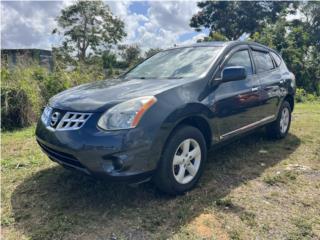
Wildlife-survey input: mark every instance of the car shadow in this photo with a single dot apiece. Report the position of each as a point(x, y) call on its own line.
point(56, 203)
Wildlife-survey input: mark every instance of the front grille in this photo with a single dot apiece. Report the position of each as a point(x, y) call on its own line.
point(73, 121)
point(62, 157)
point(61, 120)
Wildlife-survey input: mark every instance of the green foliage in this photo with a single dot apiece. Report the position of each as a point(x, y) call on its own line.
point(303, 229)
point(113, 62)
point(20, 97)
point(26, 89)
point(298, 44)
point(88, 24)
point(282, 177)
point(224, 202)
point(233, 18)
point(131, 54)
point(109, 60)
point(248, 218)
point(214, 36)
point(303, 96)
point(152, 51)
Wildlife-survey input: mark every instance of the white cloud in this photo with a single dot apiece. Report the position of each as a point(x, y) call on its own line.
point(173, 16)
point(162, 25)
point(132, 20)
point(30, 23)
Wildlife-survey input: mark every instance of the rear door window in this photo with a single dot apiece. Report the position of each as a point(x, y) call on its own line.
point(263, 61)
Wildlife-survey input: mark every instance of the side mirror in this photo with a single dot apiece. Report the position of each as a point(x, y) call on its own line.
point(233, 73)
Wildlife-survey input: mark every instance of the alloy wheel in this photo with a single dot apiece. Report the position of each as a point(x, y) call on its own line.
point(284, 120)
point(186, 161)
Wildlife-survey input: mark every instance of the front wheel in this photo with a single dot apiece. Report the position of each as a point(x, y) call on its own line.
point(279, 128)
point(182, 161)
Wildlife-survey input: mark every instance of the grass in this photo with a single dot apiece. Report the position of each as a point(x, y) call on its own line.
point(303, 229)
point(253, 188)
point(280, 177)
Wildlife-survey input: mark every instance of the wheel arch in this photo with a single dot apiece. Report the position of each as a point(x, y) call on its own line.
point(195, 120)
point(201, 124)
point(289, 98)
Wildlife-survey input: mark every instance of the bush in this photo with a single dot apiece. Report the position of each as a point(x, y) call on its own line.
point(303, 96)
point(26, 89)
point(21, 98)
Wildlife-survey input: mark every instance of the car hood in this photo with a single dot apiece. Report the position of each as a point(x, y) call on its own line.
point(98, 96)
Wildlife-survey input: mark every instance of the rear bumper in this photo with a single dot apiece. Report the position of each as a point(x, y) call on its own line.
point(119, 155)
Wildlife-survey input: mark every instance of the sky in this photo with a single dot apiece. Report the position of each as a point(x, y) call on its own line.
point(150, 24)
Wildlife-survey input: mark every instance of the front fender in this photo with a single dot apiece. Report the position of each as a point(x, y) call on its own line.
point(177, 117)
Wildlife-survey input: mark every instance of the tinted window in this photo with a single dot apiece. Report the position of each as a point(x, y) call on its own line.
point(241, 58)
point(276, 58)
point(263, 61)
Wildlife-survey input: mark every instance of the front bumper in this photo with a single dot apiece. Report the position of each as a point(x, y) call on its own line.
point(118, 155)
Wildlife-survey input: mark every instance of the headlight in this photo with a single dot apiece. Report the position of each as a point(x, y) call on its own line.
point(127, 114)
point(46, 114)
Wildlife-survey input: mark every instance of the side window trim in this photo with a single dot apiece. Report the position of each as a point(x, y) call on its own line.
point(231, 53)
point(275, 62)
point(254, 67)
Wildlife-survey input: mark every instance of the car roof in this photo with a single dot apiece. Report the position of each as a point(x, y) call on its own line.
point(226, 44)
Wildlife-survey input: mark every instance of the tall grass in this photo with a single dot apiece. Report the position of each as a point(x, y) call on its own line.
point(26, 89)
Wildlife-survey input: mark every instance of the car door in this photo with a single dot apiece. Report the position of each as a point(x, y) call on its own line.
point(271, 80)
point(237, 102)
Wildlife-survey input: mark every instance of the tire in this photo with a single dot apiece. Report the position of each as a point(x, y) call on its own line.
point(279, 128)
point(177, 173)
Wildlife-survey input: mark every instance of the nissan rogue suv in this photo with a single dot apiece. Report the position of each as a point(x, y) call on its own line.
point(159, 119)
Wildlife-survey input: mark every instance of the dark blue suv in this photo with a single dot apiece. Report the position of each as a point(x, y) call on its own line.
point(158, 120)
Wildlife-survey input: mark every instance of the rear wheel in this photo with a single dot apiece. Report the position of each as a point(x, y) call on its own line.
point(182, 161)
point(279, 128)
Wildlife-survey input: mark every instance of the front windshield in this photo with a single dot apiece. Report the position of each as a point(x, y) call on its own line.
point(185, 62)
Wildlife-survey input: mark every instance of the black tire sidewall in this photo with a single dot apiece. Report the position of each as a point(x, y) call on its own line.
point(167, 177)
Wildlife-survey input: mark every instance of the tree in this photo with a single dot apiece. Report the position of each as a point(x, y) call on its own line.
point(61, 57)
point(130, 54)
point(88, 25)
point(311, 12)
point(214, 36)
point(233, 18)
point(109, 60)
point(152, 51)
point(298, 43)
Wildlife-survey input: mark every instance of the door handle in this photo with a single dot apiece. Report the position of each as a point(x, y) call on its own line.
point(254, 89)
